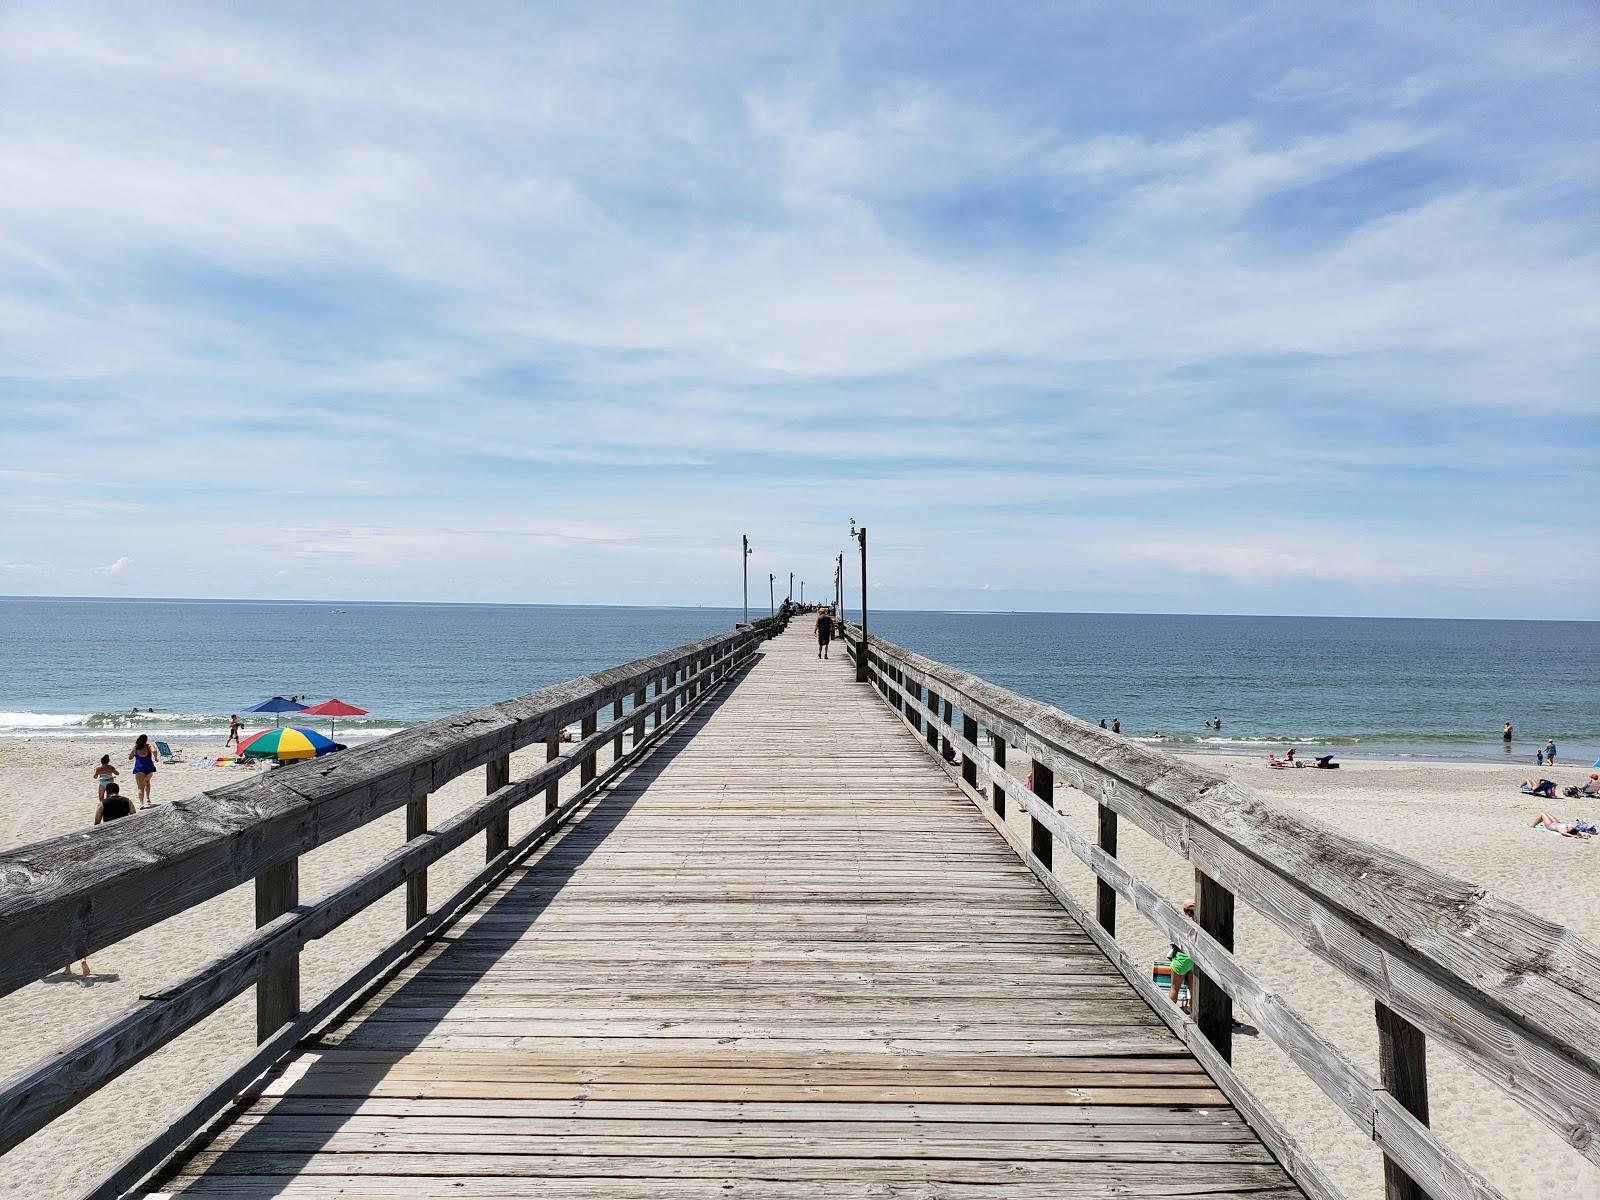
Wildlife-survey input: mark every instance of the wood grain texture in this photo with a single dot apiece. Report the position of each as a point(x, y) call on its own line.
point(782, 952)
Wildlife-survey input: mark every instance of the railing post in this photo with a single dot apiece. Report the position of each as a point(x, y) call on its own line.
point(417, 884)
point(969, 765)
point(552, 792)
point(497, 834)
point(586, 769)
point(639, 699)
point(916, 713)
point(1105, 894)
point(1403, 1073)
point(1040, 840)
point(948, 747)
point(616, 719)
point(933, 712)
point(998, 753)
point(278, 988)
point(1213, 1007)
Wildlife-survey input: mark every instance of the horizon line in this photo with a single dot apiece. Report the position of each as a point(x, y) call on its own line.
point(979, 612)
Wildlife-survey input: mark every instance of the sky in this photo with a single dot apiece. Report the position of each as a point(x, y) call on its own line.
point(1168, 308)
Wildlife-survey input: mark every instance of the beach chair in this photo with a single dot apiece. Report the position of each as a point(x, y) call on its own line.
point(1161, 976)
point(166, 752)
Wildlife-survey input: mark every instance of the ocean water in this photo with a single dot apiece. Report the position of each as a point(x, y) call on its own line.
point(1352, 686)
point(1356, 686)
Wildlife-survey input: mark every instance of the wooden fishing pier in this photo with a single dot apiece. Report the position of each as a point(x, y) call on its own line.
point(790, 936)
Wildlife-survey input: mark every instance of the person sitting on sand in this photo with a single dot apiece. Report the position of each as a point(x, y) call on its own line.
point(111, 806)
point(1591, 785)
point(1578, 828)
point(103, 776)
point(1540, 787)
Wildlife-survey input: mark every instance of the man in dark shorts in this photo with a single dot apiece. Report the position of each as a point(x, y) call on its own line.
point(824, 631)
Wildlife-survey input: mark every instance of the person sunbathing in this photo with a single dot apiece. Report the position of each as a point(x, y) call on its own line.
point(1578, 828)
point(1540, 787)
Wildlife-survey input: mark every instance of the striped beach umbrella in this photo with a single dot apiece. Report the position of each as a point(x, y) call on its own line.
point(290, 741)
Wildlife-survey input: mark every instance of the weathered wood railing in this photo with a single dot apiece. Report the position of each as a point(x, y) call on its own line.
point(1513, 995)
point(74, 895)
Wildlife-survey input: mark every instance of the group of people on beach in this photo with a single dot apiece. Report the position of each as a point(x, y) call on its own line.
point(143, 758)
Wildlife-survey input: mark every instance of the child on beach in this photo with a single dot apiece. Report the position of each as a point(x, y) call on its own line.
point(103, 776)
point(1180, 962)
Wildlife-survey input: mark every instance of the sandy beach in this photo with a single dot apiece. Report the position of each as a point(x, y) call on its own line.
point(1466, 819)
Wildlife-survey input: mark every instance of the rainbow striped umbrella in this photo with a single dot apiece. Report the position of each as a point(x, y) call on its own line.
point(289, 742)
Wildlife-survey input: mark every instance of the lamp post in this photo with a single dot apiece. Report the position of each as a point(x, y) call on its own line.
point(802, 593)
point(745, 562)
point(790, 596)
point(772, 594)
point(860, 535)
point(838, 587)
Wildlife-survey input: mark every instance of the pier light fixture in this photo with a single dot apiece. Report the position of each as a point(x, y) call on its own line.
point(860, 536)
point(746, 563)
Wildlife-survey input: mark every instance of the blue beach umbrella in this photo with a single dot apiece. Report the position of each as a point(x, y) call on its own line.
point(277, 706)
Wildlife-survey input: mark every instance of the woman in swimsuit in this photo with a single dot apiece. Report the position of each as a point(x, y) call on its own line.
point(103, 775)
point(143, 758)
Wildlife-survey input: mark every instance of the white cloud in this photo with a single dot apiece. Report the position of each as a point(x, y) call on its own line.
point(119, 567)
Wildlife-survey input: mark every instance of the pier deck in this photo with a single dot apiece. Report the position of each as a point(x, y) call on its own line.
point(784, 956)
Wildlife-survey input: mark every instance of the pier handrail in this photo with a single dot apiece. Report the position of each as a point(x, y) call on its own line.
point(71, 896)
point(1515, 996)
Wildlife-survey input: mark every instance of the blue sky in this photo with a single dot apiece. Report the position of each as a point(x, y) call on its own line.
point(1192, 307)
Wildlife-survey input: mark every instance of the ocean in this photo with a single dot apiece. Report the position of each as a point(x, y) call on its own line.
point(1359, 687)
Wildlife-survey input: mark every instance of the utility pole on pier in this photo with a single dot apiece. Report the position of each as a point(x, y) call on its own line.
point(802, 593)
point(772, 594)
point(860, 535)
point(838, 587)
point(745, 562)
point(790, 596)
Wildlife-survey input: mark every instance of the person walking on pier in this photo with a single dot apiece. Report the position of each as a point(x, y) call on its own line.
point(824, 631)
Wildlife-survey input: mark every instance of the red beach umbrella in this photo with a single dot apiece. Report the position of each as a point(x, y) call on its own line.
point(334, 708)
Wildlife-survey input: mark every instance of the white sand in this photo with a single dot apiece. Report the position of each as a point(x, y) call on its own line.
point(1468, 820)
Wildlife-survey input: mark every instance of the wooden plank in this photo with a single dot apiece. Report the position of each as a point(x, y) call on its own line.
point(1403, 1071)
point(417, 881)
point(278, 983)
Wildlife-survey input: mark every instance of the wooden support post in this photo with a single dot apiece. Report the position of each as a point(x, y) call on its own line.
point(916, 713)
point(933, 711)
point(1105, 894)
point(946, 749)
point(417, 884)
point(616, 717)
point(278, 988)
point(1403, 1073)
point(586, 769)
point(640, 698)
point(552, 792)
point(995, 790)
point(1213, 1008)
point(969, 765)
point(497, 834)
point(1039, 839)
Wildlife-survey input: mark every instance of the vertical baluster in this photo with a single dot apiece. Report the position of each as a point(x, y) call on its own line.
point(278, 988)
point(1105, 894)
point(417, 881)
point(1040, 839)
point(969, 765)
point(933, 713)
point(497, 834)
point(552, 792)
point(586, 767)
point(947, 747)
point(640, 698)
point(616, 718)
point(1403, 1073)
point(1213, 1008)
point(998, 745)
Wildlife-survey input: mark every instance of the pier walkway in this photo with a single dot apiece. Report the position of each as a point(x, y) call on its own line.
point(784, 955)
